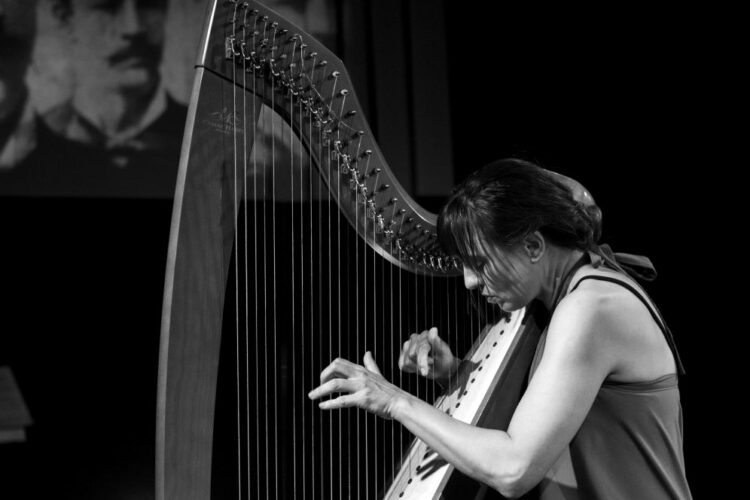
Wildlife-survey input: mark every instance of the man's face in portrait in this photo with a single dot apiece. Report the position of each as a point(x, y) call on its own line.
point(118, 43)
point(16, 41)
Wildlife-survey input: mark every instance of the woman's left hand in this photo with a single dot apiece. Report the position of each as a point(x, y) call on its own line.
point(364, 387)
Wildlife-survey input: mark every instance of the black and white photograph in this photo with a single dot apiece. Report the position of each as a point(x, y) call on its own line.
point(358, 249)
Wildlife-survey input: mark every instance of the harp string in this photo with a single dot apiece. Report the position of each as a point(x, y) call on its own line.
point(302, 305)
point(393, 350)
point(236, 268)
point(324, 416)
point(246, 283)
point(367, 331)
point(266, 377)
point(255, 276)
point(326, 201)
point(313, 450)
point(373, 347)
point(426, 325)
point(331, 174)
point(338, 288)
point(403, 330)
point(358, 347)
point(344, 349)
point(294, 297)
point(385, 361)
point(273, 254)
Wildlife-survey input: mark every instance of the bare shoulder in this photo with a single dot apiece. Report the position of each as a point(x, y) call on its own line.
point(611, 322)
point(584, 325)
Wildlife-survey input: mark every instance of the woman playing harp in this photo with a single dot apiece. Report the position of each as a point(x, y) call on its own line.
point(604, 380)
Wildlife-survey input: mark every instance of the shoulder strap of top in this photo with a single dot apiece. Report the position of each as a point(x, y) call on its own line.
point(636, 266)
point(649, 305)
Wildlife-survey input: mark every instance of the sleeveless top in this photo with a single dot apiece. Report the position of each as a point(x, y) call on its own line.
point(629, 446)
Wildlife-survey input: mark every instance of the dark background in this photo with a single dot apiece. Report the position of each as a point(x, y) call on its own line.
point(618, 102)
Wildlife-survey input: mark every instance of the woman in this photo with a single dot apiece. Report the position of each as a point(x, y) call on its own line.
point(605, 379)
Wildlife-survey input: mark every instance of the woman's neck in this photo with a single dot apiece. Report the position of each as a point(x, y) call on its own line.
point(558, 265)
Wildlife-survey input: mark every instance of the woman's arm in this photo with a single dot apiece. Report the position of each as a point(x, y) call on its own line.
point(574, 364)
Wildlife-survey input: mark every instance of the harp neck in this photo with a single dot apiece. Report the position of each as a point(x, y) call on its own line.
point(256, 49)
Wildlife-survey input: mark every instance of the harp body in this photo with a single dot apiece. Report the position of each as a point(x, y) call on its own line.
point(250, 58)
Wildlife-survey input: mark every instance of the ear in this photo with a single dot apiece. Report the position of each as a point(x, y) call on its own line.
point(534, 245)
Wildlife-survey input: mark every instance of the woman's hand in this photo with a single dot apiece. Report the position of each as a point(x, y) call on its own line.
point(428, 354)
point(364, 386)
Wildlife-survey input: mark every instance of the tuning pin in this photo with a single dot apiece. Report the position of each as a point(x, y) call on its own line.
point(371, 211)
point(343, 168)
point(388, 238)
point(380, 223)
point(353, 183)
point(229, 47)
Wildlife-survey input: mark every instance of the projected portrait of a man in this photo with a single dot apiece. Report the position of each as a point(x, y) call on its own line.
point(119, 132)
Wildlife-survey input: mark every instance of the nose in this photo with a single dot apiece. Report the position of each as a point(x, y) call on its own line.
point(471, 279)
point(129, 20)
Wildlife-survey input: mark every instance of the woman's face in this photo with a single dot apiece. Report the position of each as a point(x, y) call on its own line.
point(505, 276)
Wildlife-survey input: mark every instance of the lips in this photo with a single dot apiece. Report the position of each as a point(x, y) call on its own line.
point(138, 52)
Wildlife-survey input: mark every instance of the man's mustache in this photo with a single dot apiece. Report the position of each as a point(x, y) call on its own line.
point(138, 48)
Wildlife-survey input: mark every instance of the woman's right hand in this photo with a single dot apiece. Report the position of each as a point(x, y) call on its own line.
point(429, 355)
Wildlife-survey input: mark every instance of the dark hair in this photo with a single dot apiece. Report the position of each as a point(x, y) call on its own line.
point(506, 200)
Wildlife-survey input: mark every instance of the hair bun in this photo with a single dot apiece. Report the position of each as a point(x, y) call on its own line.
point(590, 223)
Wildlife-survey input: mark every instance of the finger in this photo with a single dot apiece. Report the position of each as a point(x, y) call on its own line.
point(432, 335)
point(401, 355)
point(423, 360)
point(436, 342)
point(414, 344)
point(330, 387)
point(345, 401)
point(405, 363)
point(339, 367)
point(370, 363)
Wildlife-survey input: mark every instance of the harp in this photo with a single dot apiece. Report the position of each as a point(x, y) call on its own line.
point(361, 270)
